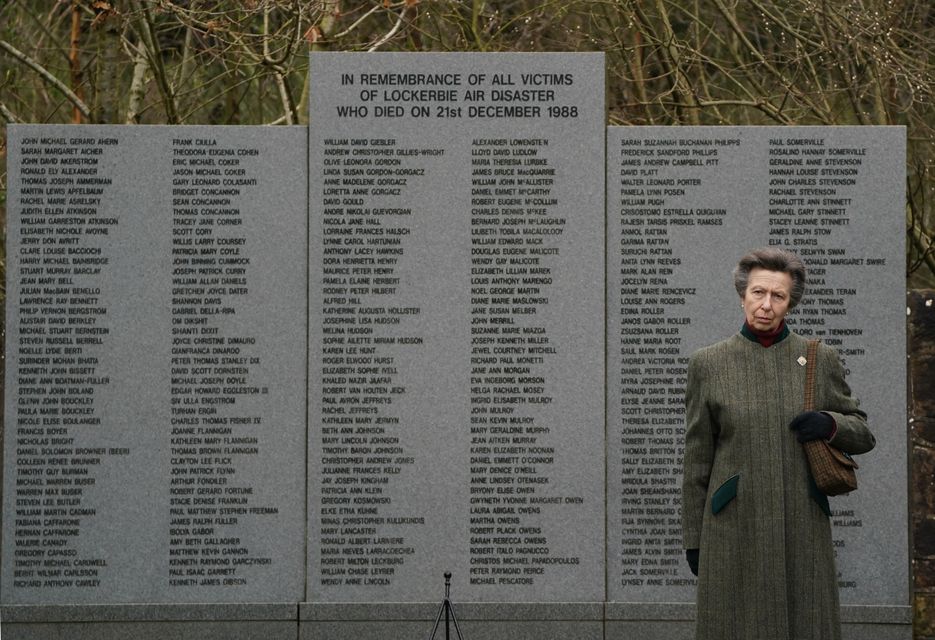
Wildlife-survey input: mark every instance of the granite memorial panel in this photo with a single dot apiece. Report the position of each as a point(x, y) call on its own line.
point(683, 205)
point(428, 262)
point(154, 449)
point(456, 327)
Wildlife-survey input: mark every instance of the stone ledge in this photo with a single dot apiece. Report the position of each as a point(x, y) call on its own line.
point(650, 611)
point(464, 611)
point(148, 613)
point(876, 614)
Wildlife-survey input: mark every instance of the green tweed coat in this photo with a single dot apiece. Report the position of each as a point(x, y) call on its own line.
point(767, 564)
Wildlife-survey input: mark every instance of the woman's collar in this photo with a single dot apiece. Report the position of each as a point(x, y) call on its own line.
point(765, 338)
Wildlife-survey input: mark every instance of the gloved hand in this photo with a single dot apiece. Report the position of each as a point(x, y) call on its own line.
point(692, 556)
point(812, 425)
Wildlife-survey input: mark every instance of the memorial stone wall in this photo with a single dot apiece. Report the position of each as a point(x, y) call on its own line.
point(154, 339)
point(456, 279)
point(683, 205)
point(292, 375)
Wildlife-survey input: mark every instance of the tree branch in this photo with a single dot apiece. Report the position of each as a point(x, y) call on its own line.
point(8, 115)
point(137, 89)
point(47, 76)
point(151, 45)
point(74, 60)
point(288, 104)
point(392, 32)
point(758, 55)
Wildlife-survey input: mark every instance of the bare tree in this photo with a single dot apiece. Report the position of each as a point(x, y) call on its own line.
point(788, 62)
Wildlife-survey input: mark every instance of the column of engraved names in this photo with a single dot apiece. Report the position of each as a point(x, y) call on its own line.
point(812, 187)
point(658, 178)
point(60, 366)
point(514, 251)
point(366, 228)
point(214, 428)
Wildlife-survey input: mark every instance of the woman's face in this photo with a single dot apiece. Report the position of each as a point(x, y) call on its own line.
point(766, 300)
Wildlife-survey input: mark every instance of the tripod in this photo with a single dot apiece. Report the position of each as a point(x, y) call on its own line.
point(449, 612)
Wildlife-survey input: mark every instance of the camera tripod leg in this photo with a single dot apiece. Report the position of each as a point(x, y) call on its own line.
point(449, 612)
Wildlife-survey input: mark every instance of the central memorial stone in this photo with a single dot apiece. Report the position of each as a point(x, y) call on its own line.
point(456, 327)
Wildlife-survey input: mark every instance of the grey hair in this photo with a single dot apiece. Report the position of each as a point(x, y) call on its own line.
point(772, 259)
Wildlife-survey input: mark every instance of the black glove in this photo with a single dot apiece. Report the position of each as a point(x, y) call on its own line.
point(812, 425)
point(692, 556)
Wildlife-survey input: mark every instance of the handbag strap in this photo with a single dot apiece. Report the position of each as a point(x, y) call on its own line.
point(810, 356)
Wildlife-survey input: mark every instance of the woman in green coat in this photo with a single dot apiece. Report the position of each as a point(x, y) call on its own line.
point(756, 532)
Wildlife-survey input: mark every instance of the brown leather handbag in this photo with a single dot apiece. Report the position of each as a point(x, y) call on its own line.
point(834, 471)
